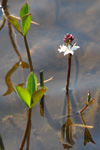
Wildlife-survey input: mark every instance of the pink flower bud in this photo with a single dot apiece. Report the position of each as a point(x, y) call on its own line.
point(70, 41)
point(68, 35)
point(73, 37)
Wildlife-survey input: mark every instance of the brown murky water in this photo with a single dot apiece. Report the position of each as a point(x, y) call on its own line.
point(51, 130)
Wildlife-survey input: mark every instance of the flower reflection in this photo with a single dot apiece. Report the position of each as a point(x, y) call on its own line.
point(87, 134)
point(67, 133)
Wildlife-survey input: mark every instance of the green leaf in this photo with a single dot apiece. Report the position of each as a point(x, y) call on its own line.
point(25, 23)
point(14, 22)
point(31, 84)
point(24, 95)
point(24, 10)
point(38, 95)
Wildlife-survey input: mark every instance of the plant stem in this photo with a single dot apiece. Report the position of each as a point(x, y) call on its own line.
point(28, 54)
point(28, 125)
point(26, 130)
point(28, 136)
point(69, 70)
point(84, 108)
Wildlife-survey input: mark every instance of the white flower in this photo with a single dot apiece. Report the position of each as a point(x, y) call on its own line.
point(68, 49)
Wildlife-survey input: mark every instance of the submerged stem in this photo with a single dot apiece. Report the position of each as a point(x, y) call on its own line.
point(69, 70)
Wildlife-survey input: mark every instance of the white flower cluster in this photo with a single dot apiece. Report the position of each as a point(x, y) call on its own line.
point(68, 49)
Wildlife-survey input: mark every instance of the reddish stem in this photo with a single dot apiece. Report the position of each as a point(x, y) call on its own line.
point(84, 108)
point(68, 74)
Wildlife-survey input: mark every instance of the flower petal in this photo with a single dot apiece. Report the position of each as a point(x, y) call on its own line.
point(75, 47)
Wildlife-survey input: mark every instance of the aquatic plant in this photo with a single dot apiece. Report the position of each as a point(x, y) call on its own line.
point(68, 49)
point(31, 95)
point(25, 17)
point(88, 102)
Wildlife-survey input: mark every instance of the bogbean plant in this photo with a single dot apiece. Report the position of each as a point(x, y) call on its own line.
point(31, 95)
point(68, 49)
point(25, 17)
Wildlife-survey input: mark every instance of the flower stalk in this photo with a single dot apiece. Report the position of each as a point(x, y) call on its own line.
point(68, 49)
point(68, 73)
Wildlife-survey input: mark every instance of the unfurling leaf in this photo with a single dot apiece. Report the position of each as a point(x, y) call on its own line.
point(89, 96)
point(14, 22)
point(38, 95)
point(24, 95)
point(24, 10)
point(31, 84)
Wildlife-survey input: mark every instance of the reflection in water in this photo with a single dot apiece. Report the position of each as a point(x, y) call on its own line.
point(3, 23)
point(20, 63)
point(67, 132)
point(9, 74)
point(77, 71)
point(87, 135)
point(67, 135)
